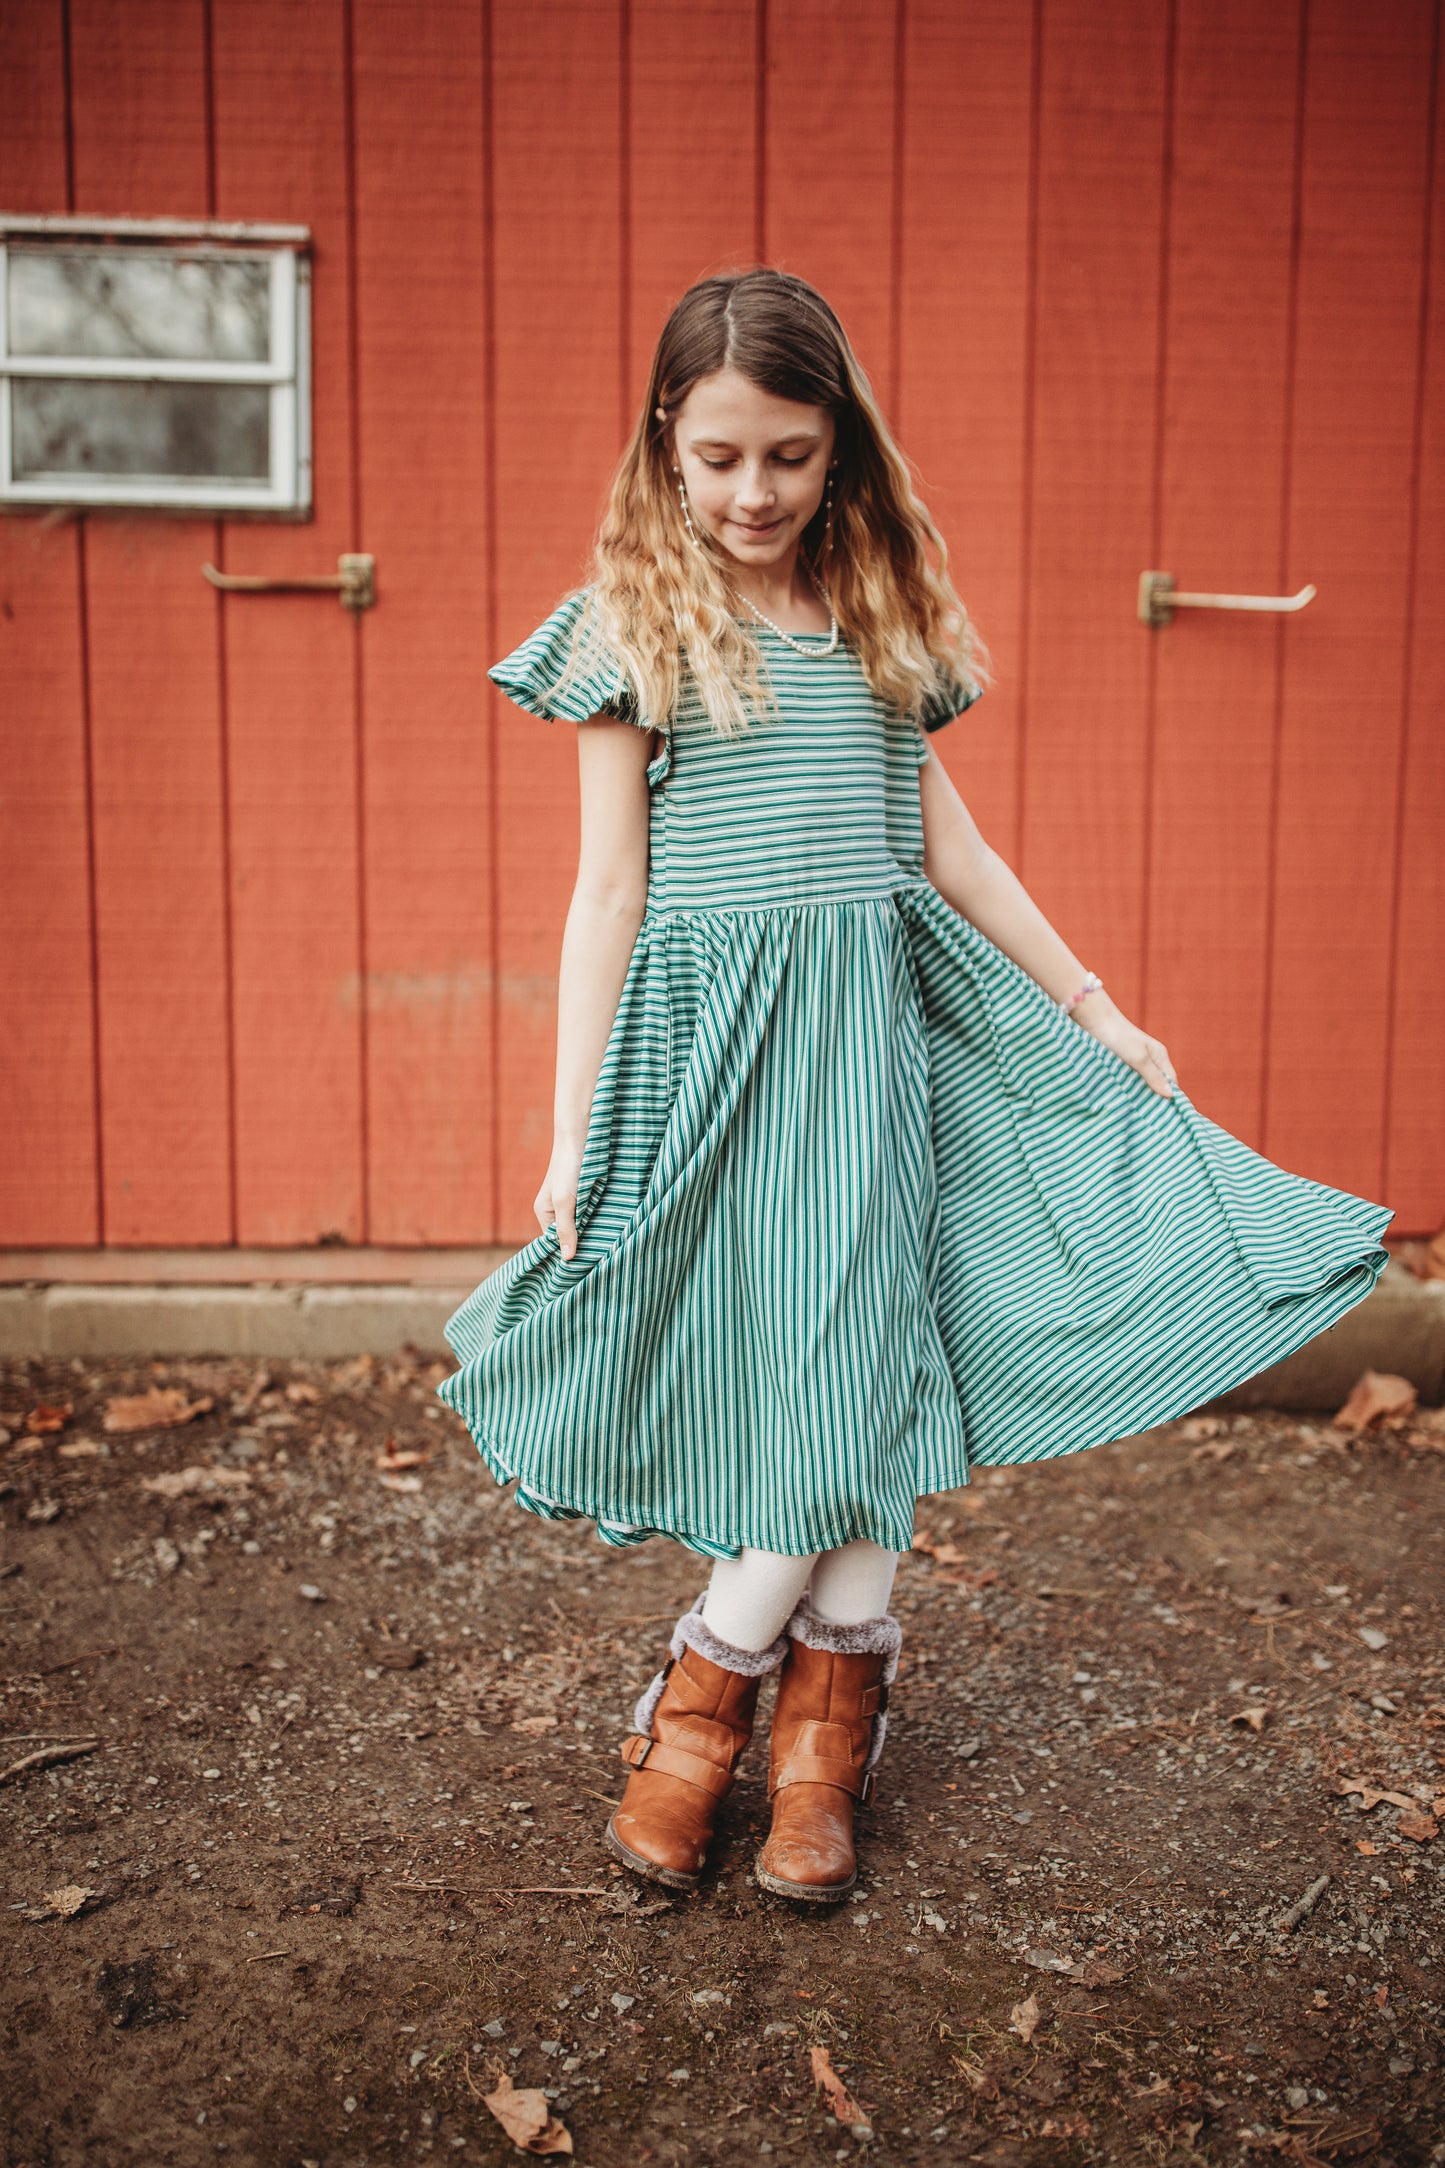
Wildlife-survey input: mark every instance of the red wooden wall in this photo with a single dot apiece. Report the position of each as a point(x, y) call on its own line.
point(1142, 284)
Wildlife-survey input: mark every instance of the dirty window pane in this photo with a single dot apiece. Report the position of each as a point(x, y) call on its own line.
point(66, 425)
point(107, 304)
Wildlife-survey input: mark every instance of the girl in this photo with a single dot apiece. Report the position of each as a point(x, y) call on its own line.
point(859, 1179)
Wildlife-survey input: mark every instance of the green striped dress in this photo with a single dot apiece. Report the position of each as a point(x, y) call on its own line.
point(859, 1209)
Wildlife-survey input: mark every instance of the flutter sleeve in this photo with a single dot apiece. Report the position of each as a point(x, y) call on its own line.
point(565, 671)
point(949, 698)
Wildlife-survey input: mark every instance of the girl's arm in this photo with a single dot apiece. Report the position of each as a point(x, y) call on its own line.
point(972, 877)
point(608, 901)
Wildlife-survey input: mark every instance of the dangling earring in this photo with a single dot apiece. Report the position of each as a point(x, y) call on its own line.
point(828, 520)
point(687, 513)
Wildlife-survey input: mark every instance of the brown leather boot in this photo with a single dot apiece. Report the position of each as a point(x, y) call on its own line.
point(690, 1729)
point(828, 1729)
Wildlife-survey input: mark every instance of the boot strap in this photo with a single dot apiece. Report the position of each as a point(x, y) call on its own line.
point(640, 1752)
point(820, 1769)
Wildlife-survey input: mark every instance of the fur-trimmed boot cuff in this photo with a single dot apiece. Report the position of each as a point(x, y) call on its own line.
point(693, 1632)
point(870, 1637)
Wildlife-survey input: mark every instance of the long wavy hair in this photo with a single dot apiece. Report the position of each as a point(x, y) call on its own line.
point(658, 603)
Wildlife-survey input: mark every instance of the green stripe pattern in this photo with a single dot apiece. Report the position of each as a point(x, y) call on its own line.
point(859, 1209)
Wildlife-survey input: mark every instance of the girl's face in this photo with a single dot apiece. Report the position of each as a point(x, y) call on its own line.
point(754, 466)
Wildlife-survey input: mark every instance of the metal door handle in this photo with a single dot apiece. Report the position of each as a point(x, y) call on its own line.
point(354, 581)
point(1159, 599)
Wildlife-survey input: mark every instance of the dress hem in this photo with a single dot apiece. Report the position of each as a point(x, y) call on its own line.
point(1148, 1412)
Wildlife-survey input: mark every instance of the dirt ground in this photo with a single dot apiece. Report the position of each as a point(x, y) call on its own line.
point(356, 1731)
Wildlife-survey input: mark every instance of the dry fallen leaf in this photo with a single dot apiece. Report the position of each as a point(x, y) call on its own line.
point(391, 1456)
point(1255, 1717)
point(1202, 1426)
point(180, 1482)
point(1220, 1449)
point(160, 1409)
point(80, 1449)
point(534, 1725)
point(66, 1901)
point(409, 1485)
point(47, 1416)
point(980, 2080)
point(1371, 1794)
point(1418, 1826)
point(845, 2108)
point(1363, 1844)
point(945, 1554)
point(1379, 1397)
point(1065, 2126)
point(526, 2116)
point(1025, 2019)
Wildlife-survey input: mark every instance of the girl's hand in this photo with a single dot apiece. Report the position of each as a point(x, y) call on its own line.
point(556, 1200)
point(1097, 1013)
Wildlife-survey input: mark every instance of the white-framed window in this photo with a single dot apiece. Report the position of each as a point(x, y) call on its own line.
point(155, 363)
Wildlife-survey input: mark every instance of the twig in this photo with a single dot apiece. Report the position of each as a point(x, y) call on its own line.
point(562, 1890)
point(1302, 1906)
point(484, 1889)
point(83, 1657)
point(48, 1754)
point(13, 1738)
point(263, 1956)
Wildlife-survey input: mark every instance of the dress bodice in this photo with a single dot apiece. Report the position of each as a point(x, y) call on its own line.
point(816, 801)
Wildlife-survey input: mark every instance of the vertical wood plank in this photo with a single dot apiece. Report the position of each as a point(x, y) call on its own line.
point(280, 155)
point(556, 121)
point(829, 160)
point(1101, 143)
point(140, 106)
point(964, 347)
point(692, 156)
point(48, 1170)
point(1216, 676)
point(1414, 1177)
point(1365, 183)
point(423, 333)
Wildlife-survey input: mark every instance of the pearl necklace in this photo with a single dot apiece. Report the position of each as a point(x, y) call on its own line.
point(810, 654)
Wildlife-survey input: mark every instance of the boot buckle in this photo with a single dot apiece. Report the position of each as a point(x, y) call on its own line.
point(635, 1749)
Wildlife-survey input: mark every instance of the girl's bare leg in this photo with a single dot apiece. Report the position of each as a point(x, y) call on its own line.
point(751, 1597)
point(854, 1583)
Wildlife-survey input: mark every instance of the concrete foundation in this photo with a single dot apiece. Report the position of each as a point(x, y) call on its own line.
point(324, 1305)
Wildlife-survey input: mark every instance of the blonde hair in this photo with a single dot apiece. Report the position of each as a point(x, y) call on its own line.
point(656, 601)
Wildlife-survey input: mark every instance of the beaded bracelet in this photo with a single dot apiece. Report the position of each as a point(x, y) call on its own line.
point(1093, 984)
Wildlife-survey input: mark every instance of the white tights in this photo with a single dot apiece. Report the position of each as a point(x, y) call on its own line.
point(751, 1597)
